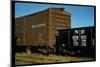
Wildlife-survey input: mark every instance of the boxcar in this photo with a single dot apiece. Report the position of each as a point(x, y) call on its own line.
point(37, 31)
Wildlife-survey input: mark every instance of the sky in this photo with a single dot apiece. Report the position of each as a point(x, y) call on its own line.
point(81, 16)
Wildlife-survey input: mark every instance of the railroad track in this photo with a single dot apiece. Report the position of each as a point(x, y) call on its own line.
point(24, 58)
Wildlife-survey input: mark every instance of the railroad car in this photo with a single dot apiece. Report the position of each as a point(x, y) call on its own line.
point(37, 32)
point(76, 42)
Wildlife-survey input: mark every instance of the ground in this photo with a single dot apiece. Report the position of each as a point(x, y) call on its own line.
point(35, 58)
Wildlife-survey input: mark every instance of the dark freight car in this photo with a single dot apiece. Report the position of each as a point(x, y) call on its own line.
point(76, 42)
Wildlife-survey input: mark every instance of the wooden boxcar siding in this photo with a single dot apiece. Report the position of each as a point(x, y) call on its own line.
point(40, 18)
point(54, 18)
point(59, 20)
point(19, 31)
point(30, 35)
